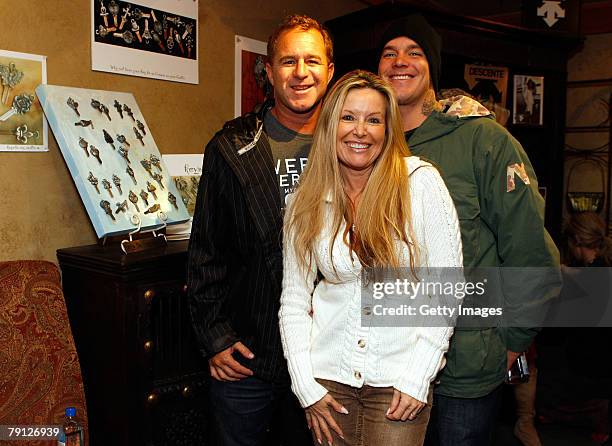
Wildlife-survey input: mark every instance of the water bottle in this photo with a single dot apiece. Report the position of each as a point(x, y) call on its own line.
point(72, 431)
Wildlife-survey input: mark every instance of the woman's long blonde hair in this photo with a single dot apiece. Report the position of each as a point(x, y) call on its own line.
point(383, 216)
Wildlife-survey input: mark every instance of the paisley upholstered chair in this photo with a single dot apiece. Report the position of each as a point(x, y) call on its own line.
point(40, 373)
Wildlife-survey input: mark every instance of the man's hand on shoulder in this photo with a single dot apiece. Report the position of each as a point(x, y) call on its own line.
point(223, 366)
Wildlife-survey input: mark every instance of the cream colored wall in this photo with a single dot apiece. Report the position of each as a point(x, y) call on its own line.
point(40, 210)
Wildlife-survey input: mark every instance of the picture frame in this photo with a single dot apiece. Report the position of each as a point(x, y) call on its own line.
point(250, 80)
point(528, 100)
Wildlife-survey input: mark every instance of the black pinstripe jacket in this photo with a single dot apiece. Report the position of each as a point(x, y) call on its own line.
point(235, 252)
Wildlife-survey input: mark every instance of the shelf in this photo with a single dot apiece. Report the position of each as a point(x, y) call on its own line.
point(587, 129)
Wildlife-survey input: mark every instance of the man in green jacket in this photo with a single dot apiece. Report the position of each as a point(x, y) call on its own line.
point(501, 215)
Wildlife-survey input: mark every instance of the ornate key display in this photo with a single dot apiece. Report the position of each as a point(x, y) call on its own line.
point(102, 156)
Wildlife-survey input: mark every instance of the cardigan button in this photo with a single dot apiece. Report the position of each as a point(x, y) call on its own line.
point(357, 375)
point(361, 343)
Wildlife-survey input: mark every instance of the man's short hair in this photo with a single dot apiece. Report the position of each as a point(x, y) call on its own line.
point(304, 23)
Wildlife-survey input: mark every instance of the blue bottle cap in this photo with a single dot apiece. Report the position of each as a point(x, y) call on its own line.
point(70, 411)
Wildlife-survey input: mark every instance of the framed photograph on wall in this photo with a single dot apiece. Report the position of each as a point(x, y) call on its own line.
point(250, 81)
point(528, 99)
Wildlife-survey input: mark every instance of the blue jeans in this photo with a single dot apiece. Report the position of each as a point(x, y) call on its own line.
point(463, 421)
point(253, 412)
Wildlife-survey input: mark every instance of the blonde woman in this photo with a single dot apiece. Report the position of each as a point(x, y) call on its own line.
point(362, 201)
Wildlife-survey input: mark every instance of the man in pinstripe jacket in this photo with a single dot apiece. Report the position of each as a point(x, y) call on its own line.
point(235, 252)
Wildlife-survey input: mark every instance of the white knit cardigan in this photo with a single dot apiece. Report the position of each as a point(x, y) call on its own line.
point(321, 327)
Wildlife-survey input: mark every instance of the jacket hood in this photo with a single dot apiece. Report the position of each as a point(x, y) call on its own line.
point(456, 111)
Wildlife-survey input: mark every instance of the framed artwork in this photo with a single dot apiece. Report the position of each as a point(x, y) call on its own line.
point(489, 84)
point(528, 99)
point(250, 81)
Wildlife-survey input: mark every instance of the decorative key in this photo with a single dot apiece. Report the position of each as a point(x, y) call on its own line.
point(147, 166)
point(188, 29)
point(170, 41)
point(157, 177)
point(109, 139)
point(103, 13)
point(117, 106)
point(141, 127)
point(22, 134)
point(146, 34)
point(138, 14)
point(134, 199)
point(84, 123)
point(95, 152)
point(189, 45)
point(144, 196)
point(127, 36)
point(106, 185)
point(175, 20)
point(157, 26)
point(22, 104)
point(121, 207)
point(130, 172)
point(107, 209)
point(73, 105)
point(100, 107)
point(84, 144)
point(165, 27)
point(136, 30)
point(128, 110)
point(103, 32)
point(126, 14)
point(123, 140)
point(113, 8)
point(155, 161)
point(11, 76)
point(117, 183)
point(178, 40)
point(157, 40)
point(124, 153)
point(94, 181)
point(156, 207)
point(151, 188)
point(172, 199)
point(138, 135)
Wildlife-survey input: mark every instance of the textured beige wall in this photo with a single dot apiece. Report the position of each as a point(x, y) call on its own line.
point(40, 210)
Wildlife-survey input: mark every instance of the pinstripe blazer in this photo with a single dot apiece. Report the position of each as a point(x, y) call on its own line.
point(235, 252)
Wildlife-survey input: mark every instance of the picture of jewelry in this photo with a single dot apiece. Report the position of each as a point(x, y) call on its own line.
point(123, 140)
point(22, 134)
point(95, 152)
point(84, 123)
point(10, 76)
point(117, 183)
point(169, 40)
point(136, 30)
point(117, 106)
point(84, 144)
point(134, 199)
point(106, 185)
point(147, 166)
point(126, 14)
point(157, 26)
point(172, 199)
point(113, 8)
point(146, 34)
point(130, 172)
point(188, 29)
point(155, 161)
point(109, 139)
point(141, 127)
point(144, 196)
point(156, 207)
point(128, 110)
point(157, 177)
point(189, 45)
point(121, 207)
point(101, 108)
point(165, 27)
point(151, 189)
point(73, 105)
point(138, 135)
point(107, 209)
point(127, 36)
point(157, 40)
point(22, 104)
point(178, 40)
point(138, 14)
point(103, 13)
point(124, 153)
point(103, 32)
point(93, 180)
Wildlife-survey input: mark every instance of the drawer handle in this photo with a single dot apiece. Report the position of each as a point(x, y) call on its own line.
point(187, 392)
point(152, 398)
point(148, 295)
point(148, 346)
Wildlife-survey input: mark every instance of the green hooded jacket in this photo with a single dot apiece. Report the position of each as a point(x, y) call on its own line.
point(501, 214)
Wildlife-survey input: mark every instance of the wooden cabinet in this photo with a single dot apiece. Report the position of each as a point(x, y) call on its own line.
point(145, 379)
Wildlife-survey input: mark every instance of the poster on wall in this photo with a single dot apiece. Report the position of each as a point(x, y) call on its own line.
point(528, 95)
point(489, 85)
point(251, 84)
point(152, 38)
point(23, 127)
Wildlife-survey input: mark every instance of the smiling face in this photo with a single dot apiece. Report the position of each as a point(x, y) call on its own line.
point(300, 71)
point(361, 131)
point(404, 65)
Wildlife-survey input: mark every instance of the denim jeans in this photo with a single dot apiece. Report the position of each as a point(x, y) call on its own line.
point(463, 421)
point(366, 423)
point(248, 412)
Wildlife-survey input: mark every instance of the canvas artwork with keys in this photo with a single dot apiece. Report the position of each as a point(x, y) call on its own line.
point(108, 146)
